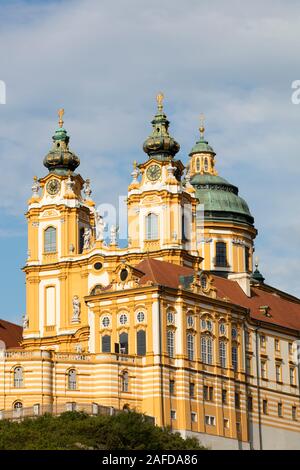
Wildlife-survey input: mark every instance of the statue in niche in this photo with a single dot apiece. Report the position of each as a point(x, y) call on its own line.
point(76, 309)
point(87, 238)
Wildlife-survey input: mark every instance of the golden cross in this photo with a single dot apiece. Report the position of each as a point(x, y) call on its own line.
point(159, 99)
point(202, 128)
point(60, 113)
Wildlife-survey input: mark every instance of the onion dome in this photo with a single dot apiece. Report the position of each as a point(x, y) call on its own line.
point(60, 159)
point(160, 144)
point(256, 275)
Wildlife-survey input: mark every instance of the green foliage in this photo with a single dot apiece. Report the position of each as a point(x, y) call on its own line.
point(77, 431)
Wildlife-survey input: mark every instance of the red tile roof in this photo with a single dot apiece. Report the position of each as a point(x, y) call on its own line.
point(10, 333)
point(283, 311)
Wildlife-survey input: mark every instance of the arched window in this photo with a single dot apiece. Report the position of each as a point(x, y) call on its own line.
point(123, 340)
point(221, 255)
point(198, 164)
point(222, 353)
point(152, 226)
point(17, 409)
point(125, 382)
point(190, 346)
point(50, 240)
point(205, 164)
point(18, 377)
point(141, 342)
point(106, 344)
point(72, 379)
point(206, 350)
point(170, 342)
point(234, 357)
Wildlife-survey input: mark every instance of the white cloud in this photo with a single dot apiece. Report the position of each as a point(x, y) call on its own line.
point(105, 61)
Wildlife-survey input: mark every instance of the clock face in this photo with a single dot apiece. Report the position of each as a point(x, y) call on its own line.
point(53, 186)
point(153, 172)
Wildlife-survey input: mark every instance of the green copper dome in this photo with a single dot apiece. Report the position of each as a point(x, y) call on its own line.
point(202, 146)
point(60, 159)
point(160, 144)
point(220, 199)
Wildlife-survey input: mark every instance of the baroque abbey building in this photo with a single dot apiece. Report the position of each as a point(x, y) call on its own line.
point(177, 325)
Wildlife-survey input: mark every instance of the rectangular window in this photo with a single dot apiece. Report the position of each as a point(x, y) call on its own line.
point(172, 387)
point(234, 356)
point(50, 240)
point(208, 393)
point(237, 403)
point(247, 339)
point(210, 420)
point(248, 365)
point(263, 369)
point(226, 423)
point(250, 403)
point(262, 341)
point(292, 375)
point(294, 413)
point(222, 353)
point(290, 349)
point(190, 346)
point(173, 414)
point(224, 396)
point(247, 259)
point(193, 417)
point(221, 255)
point(280, 410)
point(192, 390)
point(278, 373)
point(152, 227)
point(277, 345)
point(170, 342)
point(265, 407)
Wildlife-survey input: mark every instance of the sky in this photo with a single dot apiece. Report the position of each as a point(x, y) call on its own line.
point(104, 63)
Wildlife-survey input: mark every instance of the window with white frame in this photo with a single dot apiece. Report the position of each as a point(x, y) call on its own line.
point(292, 375)
point(222, 328)
point(234, 357)
point(170, 317)
point(50, 240)
point(152, 227)
point(105, 321)
point(123, 319)
point(206, 350)
point(18, 377)
point(190, 321)
point(203, 324)
point(278, 372)
point(140, 316)
point(170, 342)
point(263, 369)
point(222, 354)
point(210, 420)
point(72, 379)
point(190, 346)
point(209, 325)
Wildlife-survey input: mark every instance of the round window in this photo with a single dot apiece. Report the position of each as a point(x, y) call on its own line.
point(190, 321)
point(203, 282)
point(222, 328)
point(140, 317)
point(97, 266)
point(203, 324)
point(123, 319)
point(209, 325)
point(105, 322)
point(123, 275)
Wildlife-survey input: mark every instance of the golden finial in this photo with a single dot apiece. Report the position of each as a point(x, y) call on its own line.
point(35, 178)
point(256, 262)
point(60, 113)
point(134, 164)
point(159, 99)
point(202, 128)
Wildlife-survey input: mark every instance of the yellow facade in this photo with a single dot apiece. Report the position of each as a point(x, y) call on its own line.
point(96, 333)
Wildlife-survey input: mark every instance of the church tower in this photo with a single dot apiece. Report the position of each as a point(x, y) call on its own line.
point(161, 209)
point(60, 230)
point(225, 226)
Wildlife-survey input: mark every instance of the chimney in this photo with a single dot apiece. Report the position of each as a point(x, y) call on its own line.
point(243, 279)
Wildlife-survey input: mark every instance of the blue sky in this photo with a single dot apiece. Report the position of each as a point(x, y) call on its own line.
point(105, 61)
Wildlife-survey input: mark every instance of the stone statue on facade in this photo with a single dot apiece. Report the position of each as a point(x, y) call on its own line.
point(113, 235)
point(87, 238)
point(76, 309)
point(100, 226)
